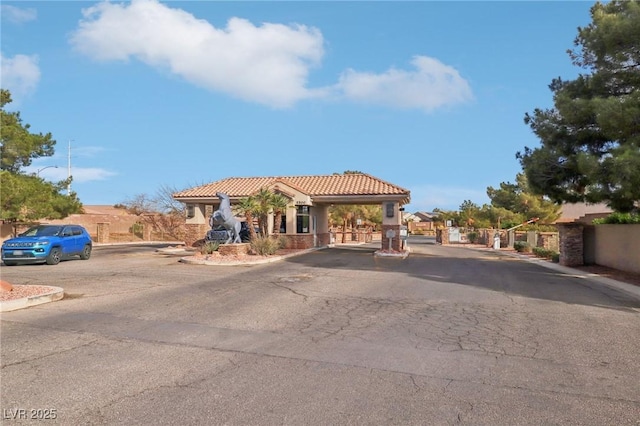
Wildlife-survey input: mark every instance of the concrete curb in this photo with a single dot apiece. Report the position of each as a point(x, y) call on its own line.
point(56, 293)
point(191, 261)
point(137, 243)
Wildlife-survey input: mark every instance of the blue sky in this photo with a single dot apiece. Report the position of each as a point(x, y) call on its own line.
point(427, 95)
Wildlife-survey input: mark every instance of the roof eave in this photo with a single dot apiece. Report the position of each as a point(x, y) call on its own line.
point(362, 199)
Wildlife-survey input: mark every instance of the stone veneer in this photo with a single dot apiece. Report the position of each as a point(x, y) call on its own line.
point(234, 249)
point(194, 232)
point(305, 241)
point(396, 242)
point(571, 244)
point(103, 232)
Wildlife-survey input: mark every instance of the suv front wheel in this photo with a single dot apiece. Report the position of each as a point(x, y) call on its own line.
point(54, 256)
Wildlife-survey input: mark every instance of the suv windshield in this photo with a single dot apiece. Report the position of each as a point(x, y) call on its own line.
point(42, 231)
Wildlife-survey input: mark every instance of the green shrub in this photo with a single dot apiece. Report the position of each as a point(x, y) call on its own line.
point(265, 245)
point(522, 247)
point(618, 218)
point(546, 253)
point(472, 237)
point(209, 247)
point(136, 229)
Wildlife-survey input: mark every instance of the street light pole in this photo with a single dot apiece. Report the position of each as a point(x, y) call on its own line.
point(47, 167)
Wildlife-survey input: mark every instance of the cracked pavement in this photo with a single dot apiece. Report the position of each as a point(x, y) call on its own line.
point(337, 336)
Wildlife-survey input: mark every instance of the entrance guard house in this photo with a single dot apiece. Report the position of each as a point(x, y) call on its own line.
point(306, 220)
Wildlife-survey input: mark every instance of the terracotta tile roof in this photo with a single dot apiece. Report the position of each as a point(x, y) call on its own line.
point(315, 186)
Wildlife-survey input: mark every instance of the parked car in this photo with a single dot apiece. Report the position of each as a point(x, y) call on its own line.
point(47, 244)
point(220, 234)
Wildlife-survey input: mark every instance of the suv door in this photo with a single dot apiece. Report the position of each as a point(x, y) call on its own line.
point(69, 241)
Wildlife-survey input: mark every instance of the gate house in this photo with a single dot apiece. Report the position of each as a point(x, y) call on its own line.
point(306, 219)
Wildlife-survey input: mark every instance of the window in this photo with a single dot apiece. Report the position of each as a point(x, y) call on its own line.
point(302, 220)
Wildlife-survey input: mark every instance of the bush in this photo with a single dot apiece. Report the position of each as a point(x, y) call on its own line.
point(265, 245)
point(136, 229)
point(522, 247)
point(209, 247)
point(618, 218)
point(547, 254)
point(472, 237)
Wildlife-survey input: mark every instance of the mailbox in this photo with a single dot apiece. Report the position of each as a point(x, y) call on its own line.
point(403, 233)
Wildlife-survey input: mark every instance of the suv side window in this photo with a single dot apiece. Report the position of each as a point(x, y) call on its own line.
point(77, 231)
point(67, 232)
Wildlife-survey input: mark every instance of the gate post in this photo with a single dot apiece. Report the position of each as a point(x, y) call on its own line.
point(391, 221)
point(104, 229)
point(571, 244)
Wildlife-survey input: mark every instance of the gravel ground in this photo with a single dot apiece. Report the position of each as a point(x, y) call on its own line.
point(20, 291)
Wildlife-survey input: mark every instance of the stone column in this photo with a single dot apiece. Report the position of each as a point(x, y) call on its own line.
point(104, 229)
point(146, 231)
point(571, 244)
point(391, 222)
point(194, 233)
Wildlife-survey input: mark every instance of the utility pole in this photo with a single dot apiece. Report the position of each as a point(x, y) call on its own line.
point(69, 170)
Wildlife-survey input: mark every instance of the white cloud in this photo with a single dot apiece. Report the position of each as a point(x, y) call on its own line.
point(89, 174)
point(20, 75)
point(18, 15)
point(430, 86)
point(268, 64)
point(79, 174)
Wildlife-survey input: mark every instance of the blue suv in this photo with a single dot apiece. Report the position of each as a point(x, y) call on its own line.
point(47, 244)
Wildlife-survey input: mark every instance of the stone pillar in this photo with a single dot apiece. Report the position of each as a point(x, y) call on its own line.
point(571, 244)
point(391, 222)
point(194, 232)
point(146, 231)
point(442, 236)
point(104, 229)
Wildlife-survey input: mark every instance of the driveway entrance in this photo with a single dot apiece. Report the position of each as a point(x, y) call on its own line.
point(336, 336)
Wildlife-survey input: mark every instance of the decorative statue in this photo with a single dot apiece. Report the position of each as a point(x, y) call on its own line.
point(225, 218)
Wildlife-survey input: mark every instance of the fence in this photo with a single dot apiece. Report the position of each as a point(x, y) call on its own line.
point(355, 236)
point(127, 230)
point(547, 240)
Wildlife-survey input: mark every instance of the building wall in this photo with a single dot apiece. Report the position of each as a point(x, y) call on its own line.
point(617, 246)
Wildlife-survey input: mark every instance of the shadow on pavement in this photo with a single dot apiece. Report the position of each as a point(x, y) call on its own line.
point(480, 269)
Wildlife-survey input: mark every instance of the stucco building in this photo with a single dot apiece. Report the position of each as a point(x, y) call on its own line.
point(306, 219)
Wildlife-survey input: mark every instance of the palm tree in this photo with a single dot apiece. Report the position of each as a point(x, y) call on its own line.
point(247, 207)
point(279, 204)
point(263, 202)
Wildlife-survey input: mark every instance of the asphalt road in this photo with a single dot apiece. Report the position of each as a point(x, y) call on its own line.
point(332, 337)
